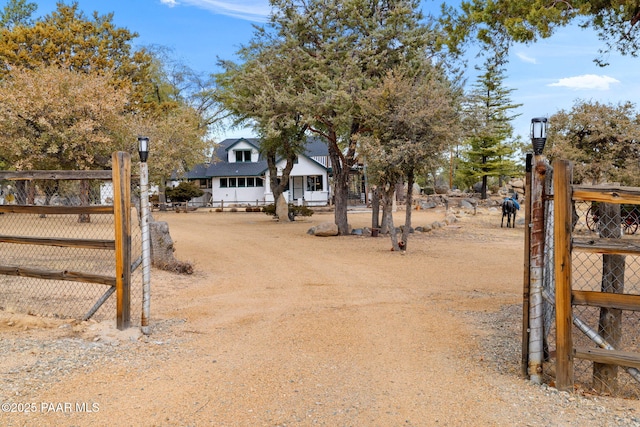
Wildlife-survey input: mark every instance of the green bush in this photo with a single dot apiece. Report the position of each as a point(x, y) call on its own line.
point(184, 192)
point(295, 209)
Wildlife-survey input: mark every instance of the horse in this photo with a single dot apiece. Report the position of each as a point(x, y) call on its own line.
point(509, 208)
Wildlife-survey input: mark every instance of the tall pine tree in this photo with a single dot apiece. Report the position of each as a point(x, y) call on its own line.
point(489, 143)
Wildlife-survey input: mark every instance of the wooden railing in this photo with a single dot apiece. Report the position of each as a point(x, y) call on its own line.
point(120, 282)
point(565, 298)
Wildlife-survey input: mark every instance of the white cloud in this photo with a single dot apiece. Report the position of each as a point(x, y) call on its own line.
point(586, 81)
point(250, 10)
point(525, 58)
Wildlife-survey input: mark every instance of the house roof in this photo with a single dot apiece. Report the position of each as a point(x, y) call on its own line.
point(228, 144)
point(219, 167)
point(236, 169)
point(316, 147)
point(198, 172)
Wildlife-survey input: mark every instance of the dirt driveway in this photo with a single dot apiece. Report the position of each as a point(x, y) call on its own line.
point(280, 328)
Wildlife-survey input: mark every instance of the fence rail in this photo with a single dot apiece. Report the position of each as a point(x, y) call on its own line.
point(40, 242)
point(591, 286)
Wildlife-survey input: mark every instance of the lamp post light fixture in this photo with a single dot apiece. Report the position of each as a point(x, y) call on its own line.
point(143, 148)
point(539, 127)
point(143, 151)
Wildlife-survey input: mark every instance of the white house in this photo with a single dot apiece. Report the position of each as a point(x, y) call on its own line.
point(238, 174)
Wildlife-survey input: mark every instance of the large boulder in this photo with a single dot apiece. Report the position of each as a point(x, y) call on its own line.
point(282, 209)
point(324, 229)
point(162, 249)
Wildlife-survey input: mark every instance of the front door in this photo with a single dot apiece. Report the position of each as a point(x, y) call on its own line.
point(298, 187)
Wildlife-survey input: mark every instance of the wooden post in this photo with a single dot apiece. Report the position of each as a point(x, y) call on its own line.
point(536, 321)
point(562, 242)
point(527, 266)
point(121, 164)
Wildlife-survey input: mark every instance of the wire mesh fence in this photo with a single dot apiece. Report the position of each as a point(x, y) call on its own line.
point(600, 272)
point(41, 243)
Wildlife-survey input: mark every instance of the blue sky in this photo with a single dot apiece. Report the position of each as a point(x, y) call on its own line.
point(547, 76)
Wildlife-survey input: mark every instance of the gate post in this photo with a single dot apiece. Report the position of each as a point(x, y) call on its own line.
point(121, 178)
point(536, 310)
point(562, 241)
point(527, 268)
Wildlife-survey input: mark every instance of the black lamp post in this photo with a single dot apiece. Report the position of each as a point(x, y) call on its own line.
point(143, 148)
point(539, 127)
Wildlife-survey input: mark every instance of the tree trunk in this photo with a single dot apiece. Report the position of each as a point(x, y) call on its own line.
point(408, 210)
point(20, 192)
point(610, 325)
point(31, 192)
point(341, 194)
point(278, 187)
point(162, 196)
point(387, 216)
point(483, 194)
point(84, 200)
point(375, 208)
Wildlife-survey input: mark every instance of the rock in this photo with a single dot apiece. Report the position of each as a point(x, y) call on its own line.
point(450, 219)
point(324, 229)
point(282, 209)
point(161, 242)
point(465, 204)
point(427, 205)
point(517, 183)
point(162, 249)
point(411, 229)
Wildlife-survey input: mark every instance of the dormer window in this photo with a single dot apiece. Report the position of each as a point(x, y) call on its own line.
point(243, 156)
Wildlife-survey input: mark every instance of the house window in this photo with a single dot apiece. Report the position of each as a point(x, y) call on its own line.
point(314, 183)
point(243, 156)
point(203, 183)
point(251, 182)
point(259, 182)
point(242, 182)
point(223, 183)
point(232, 182)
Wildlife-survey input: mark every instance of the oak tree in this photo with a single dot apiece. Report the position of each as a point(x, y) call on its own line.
point(602, 140)
point(54, 118)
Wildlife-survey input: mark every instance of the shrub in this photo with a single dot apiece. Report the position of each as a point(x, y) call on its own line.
point(295, 209)
point(184, 192)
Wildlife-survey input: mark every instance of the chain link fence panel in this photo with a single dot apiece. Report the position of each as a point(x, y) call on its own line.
point(600, 273)
point(45, 297)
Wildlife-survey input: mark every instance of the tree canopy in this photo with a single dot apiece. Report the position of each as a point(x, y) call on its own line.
point(603, 141)
point(315, 59)
point(56, 118)
point(499, 23)
point(408, 120)
point(488, 145)
point(76, 90)
point(67, 38)
point(17, 12)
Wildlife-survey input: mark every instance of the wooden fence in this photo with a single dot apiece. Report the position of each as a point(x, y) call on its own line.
point(611, 302)
point(120, 281)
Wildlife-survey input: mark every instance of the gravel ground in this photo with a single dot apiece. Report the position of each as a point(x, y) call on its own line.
point(313, 331)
